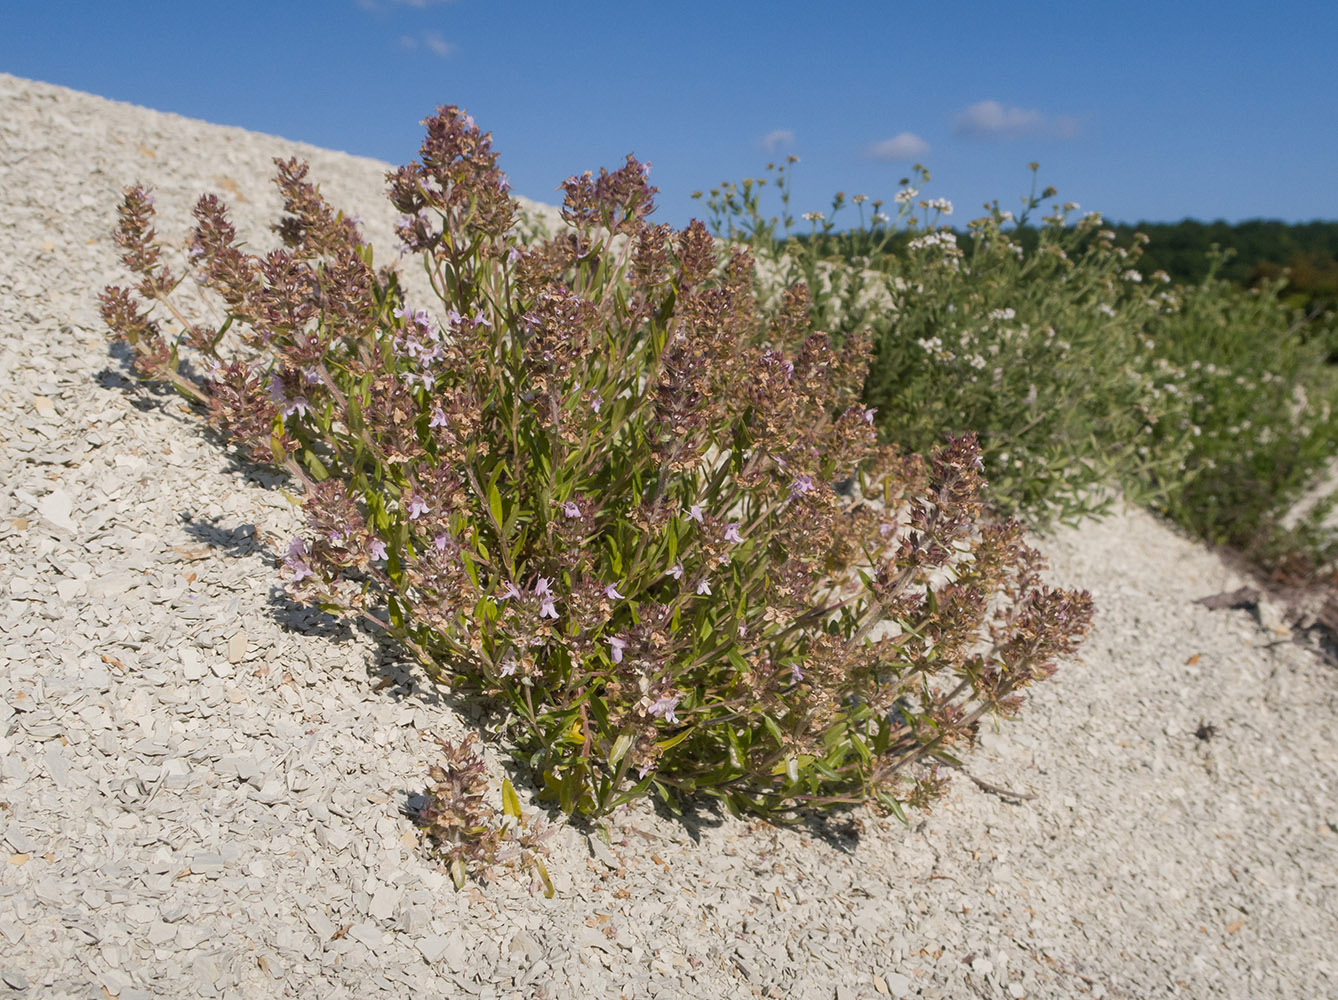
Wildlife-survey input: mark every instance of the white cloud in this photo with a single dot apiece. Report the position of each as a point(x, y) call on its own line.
point(777, 138)
point(438, 45)
point(373, 6)
point(431, 41)
point(903, 146)
point(991, 120)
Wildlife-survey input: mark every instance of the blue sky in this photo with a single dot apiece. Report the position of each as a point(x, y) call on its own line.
point(1140, 110)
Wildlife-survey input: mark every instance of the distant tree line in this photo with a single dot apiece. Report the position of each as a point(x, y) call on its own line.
point(1305, 253)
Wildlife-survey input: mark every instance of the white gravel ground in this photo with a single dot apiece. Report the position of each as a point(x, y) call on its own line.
point(201, 784)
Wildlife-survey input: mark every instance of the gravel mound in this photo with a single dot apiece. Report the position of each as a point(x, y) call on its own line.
point(202, 785)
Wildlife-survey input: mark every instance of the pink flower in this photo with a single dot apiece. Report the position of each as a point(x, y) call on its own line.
point(417, 508)
point(376, 548)
point(616, 647)
point(694, 513)
point(664, 706)
point(611, 592)
point(732, 533)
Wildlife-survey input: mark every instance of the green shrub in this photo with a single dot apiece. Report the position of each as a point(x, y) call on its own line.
point(1041, 354)
point(1263, 404)
point(591, 483)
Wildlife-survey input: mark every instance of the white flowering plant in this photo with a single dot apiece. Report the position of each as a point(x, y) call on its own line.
point(1263, 401)
point(1038, 349)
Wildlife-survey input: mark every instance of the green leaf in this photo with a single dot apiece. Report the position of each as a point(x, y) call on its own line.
point(620, 747)
point(549, 891)
point(314, 465)
point(510, 801)
point(495, 504)
point(676, 739)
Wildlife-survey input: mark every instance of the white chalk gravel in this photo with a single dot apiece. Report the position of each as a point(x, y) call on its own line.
point(202, 785)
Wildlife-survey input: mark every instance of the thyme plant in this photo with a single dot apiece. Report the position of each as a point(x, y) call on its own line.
point(591, 480)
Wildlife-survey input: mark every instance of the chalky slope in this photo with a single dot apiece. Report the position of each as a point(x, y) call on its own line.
point(202, 785)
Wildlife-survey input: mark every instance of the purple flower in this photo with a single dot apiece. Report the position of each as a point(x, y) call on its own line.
point(571, 509)
point(704, 587)
point(732, 533)
point(417, 508)
point(645, 769)
point(287, 405)
point(509, 591)
point(611, 592)
point(664, 706)
point(547, 607)
point(868, 415)
point(797, 673)
point(676, 571)
point(616, 647)
point(508, 668)
point(694, 513)
point(438, 418)
point(296, 561)
point(441, 541)
point(801, 486)
point(376, 548)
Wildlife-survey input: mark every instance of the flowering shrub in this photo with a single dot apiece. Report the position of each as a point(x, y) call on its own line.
point(1040, 353)
point(591, 480)
point(1264, 403)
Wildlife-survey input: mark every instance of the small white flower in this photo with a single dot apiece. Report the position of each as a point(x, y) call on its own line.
point(676, 571)
point(704, 587)
point(616, 647)
point(732, 533)
point(611, 592)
